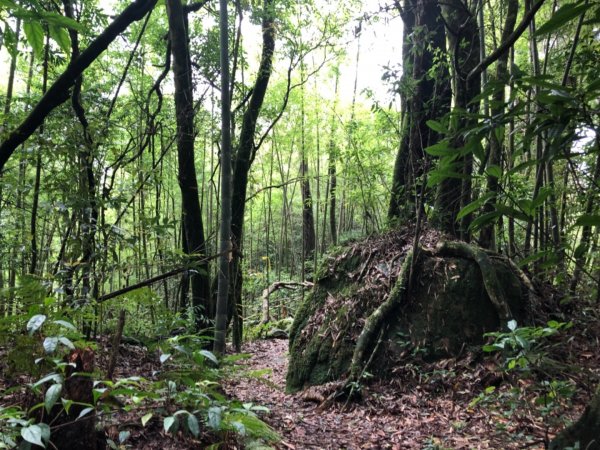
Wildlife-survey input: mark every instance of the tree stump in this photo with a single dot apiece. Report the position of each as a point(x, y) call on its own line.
point(69, 432)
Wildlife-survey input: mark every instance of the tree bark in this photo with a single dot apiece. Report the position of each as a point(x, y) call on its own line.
point(188, 184)
point(463, 37)
point(225, 231)
point(487, 237)
point(244, 156)
point(424, 97)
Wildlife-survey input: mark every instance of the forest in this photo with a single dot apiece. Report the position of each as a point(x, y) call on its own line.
point(299, 224)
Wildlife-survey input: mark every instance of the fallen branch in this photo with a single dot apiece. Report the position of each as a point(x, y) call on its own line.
point(153, 280)
point(275, 287)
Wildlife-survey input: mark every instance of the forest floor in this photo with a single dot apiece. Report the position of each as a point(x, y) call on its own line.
point(424, 408)
point(444, 405)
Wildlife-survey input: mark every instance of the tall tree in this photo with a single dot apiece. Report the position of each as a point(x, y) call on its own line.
point(225, 231)
point(242, 160)
point(188, 183)
point(463, 37)
point(425, 95)
point(495, 151)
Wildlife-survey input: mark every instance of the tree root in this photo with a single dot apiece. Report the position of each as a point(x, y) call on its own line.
point(398, 295)
point(372, 328)
point(488, 273)
point(377, 317)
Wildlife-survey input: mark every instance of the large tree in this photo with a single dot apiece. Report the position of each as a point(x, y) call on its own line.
point(425, 95)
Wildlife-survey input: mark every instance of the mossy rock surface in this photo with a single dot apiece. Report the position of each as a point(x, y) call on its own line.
point(446, 310)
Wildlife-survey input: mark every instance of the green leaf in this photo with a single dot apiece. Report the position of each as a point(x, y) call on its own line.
point(474, 205)
point(588, 220)
point(522, 166)
point(499, 134)
point(562, 16)
point(494, 171)
point(53, 376)
point(66, 404)
point(33, 434)
point(123, 436)
point(146, 418)
point(65, 324)
point(512, 212)
point(437, 126)
point(52, 396)
point(66, 342)
point(483, 220)
point(541, 197)
point(8, 4)
point(61, 37)
point(580, 250)
point(209, 355)
point(438, 175)
point(10, 41)
point(35, 36)
point(532, 258)
point(168, 423)
point(214, 417)
point(50, 344)
point(193, 425)
point(45, 431)
point(61, 21)
point(490, 348)
point(440, 149)
point(35, 323)
point(85, 412)
point(593, 86)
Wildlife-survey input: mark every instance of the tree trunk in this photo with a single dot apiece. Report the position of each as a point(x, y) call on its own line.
point(225, 231)
point(488, 236)
point(243, 159)
point(463, 37)
point(188, 184)
point(586, 431)
point(423, 98)
point(308, 220)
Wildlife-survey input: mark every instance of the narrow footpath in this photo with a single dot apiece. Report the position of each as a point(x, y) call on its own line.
point(385, 419)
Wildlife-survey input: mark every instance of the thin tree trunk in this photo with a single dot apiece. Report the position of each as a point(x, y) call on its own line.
point(244, 157)
point(38, 173)
point(225, 232)
point(488, 234)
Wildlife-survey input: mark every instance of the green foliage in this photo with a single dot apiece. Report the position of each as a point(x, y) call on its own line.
point(524, 351)
point(187, 396)
point(523, 347)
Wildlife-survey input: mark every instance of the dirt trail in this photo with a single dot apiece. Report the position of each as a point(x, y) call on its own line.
point(385, 419)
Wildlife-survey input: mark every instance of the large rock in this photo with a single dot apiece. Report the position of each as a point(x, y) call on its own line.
point(447, 309)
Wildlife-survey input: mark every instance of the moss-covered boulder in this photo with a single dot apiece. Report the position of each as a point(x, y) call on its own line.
point(363, 295)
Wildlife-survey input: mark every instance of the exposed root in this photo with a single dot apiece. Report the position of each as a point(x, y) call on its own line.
point(488, 273)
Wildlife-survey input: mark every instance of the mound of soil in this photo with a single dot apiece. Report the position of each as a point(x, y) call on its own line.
point(374, 292)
